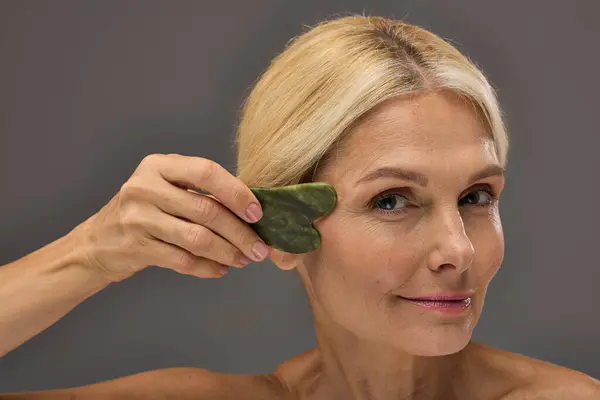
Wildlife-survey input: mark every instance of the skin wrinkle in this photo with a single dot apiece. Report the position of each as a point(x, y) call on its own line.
point(440, 242)
point(434, 245)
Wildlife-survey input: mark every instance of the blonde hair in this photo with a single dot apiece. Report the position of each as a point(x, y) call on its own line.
point(327, 78)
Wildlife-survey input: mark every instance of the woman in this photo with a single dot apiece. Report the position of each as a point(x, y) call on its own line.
point(410, 135)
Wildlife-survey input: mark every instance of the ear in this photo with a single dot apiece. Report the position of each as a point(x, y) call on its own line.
point(283, 260)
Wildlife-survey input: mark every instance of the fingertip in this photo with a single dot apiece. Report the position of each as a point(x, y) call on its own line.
point(253, 213)
point(244, 261)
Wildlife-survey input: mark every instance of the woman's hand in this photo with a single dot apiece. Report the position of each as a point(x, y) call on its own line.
point(155, 220)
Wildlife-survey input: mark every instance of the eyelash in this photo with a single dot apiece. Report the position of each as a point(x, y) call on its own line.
point(483, 188)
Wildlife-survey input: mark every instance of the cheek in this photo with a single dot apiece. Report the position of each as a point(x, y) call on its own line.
point(372, 256)
point(488, 242)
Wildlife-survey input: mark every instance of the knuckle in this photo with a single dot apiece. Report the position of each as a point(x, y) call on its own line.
point(132, 217)
point(208, 169)
point(186, 262)
point(142, 241)
point(205, 209)
point(240, 196)
point(133, 188)
point(151, 160)
point(199, 237)
point(247, 236)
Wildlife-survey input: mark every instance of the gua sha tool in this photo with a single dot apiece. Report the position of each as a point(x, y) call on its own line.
point(289, 213)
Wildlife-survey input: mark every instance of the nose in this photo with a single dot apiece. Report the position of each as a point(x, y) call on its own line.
point(452, 247)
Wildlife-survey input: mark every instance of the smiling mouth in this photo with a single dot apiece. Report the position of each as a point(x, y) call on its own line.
point(443, 304)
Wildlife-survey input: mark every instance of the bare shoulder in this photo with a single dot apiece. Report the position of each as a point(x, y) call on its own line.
point(528, 378)
point(177, 383)
point(559, 386)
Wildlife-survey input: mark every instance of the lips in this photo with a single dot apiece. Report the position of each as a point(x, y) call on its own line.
point(445, 303)
point(441, 297)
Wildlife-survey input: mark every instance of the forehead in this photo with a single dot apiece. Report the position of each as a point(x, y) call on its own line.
point(424, 131)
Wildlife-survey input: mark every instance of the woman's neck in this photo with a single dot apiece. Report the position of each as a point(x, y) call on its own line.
point(347, 367)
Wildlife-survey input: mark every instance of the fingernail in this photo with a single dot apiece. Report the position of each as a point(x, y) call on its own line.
point(224, 269)
point(244, 260)
point(260, 250)
point(253, 212)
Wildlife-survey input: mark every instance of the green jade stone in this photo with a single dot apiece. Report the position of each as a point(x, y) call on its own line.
point(289, 213)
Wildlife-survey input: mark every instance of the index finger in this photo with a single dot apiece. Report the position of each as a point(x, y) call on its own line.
point(207, 175)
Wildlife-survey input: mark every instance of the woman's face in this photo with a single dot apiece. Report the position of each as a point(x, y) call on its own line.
point(418, 182)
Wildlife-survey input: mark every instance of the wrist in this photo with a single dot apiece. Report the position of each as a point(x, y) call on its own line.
point(79, 255)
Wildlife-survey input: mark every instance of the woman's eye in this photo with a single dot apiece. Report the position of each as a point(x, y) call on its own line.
point(480, 197)
point(397, 203)
point(391, 202)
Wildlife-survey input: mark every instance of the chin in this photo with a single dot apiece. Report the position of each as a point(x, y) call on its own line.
point(438, 341)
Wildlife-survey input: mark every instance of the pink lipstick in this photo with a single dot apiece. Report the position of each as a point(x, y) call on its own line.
point(444, 303)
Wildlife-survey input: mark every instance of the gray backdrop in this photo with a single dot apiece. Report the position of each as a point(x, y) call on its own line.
point(87, 88)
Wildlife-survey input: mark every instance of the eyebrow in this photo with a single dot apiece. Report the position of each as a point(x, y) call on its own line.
point(420, 179)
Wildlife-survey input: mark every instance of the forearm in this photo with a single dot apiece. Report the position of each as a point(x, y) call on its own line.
point(171, 383)
point(40, 288)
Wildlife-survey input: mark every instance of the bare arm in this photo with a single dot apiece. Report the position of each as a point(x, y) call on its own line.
point(40, 288)
point(152, 220)
point(171, 383)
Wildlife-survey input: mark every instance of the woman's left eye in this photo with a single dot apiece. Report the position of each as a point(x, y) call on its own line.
point(479, 197)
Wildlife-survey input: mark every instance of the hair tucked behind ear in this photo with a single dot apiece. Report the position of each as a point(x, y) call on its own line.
point(327, 78)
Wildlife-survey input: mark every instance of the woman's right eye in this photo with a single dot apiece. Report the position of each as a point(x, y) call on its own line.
point(391, 203)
